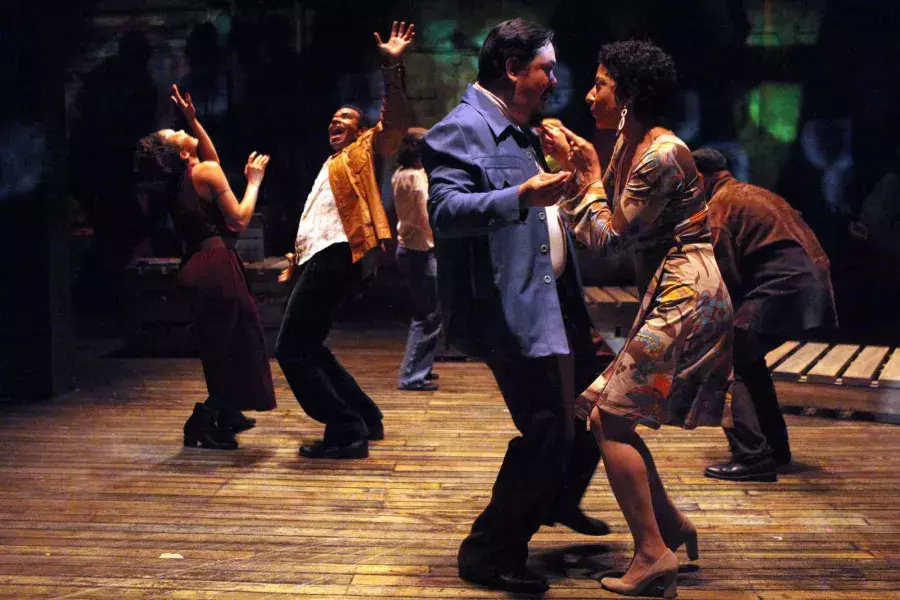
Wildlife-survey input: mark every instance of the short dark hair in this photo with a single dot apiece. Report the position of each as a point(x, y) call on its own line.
point(158, 167)
point(362, 115)
point(645, 76)
point(515, 38)
point(410, 147)
point(709, 161)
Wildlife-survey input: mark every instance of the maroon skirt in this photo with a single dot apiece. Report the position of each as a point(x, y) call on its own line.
point(229, 332)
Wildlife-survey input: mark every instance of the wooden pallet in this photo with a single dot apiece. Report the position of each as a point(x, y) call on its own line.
point(845, 377)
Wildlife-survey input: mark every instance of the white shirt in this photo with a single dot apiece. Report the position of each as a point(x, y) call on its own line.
point(411, 202)
point(320, 223)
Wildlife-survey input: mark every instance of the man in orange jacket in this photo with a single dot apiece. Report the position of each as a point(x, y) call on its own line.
point(343, 220)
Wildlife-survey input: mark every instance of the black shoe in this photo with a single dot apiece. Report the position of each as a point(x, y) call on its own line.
point(757, 470)
point(201, 430)
point(520, 580)
point(782, 459)
point(577, 521)
point(426, 386)
point(319, 449)
point(376, 431)
point(236, 422)
point(432, 376)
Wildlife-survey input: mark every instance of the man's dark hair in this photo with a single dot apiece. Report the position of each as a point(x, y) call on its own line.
point(516, 38)
point(363, 124)
point(709, 161)
point(410, 148)
point(645, 77)
point(158, 168)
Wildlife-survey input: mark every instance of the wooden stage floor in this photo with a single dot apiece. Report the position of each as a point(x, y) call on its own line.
point(99, 500)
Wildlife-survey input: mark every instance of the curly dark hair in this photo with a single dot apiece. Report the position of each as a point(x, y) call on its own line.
point(410, 148)
point(645, 77)
point(158, 169)
point(515, 38)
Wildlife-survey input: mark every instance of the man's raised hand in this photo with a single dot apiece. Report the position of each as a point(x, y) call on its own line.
point(401, 37)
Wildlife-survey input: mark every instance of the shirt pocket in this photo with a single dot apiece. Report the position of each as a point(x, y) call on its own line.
point(502, 172)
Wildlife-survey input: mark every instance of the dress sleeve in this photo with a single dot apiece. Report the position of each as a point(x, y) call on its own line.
point(651, 183)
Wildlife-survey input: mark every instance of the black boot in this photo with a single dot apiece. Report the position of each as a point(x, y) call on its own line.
point(235, 421)
point(201, 430)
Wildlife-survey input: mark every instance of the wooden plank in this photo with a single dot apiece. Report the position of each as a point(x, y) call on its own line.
point(621, 296)
point(827, 369)
point(596, 295)
point(780, 352)
point(862, 370)
point(890, 375)
point(800, 360)
point(632, 290)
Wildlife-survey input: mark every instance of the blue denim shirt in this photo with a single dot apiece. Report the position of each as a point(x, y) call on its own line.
point(496, 284)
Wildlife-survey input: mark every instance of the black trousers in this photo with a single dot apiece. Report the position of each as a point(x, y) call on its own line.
point(547, 468)
point(759, 428)
point(322, 386)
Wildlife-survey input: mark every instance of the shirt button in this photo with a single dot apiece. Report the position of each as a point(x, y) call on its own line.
point(548, 279)
point(542, 216)
point(544, 248)
point(529, 155)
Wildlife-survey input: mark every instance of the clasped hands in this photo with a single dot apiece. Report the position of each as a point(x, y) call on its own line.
point(576, 154)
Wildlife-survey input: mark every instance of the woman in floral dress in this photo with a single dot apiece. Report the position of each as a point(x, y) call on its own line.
point(676, 364)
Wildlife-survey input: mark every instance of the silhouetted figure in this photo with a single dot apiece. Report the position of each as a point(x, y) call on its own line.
point(116, 107)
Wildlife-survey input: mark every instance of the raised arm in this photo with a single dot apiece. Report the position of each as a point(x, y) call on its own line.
point(588, 215)
point(396, 116)
point(457, 205)
point(213, 180)
point(205, 149)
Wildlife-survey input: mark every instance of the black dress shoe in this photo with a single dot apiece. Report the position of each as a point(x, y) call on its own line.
point(432, 376)
point(319, 449)
point(425, 386)
point(757, 470)
point(521, 580)
point(782, 459)
point(376, 431)
point(577, 521)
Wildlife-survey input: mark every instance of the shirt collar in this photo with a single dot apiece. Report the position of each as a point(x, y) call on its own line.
point(492, 108)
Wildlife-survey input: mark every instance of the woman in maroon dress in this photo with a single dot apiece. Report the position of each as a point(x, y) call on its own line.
point(183, 171)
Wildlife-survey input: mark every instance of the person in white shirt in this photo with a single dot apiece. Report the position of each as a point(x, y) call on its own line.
point(415, 257)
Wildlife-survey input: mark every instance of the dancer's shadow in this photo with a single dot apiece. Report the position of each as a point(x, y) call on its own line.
point(579, 560)
point(197, 460)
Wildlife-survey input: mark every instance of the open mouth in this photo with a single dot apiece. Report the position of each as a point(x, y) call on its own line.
point(335, 133)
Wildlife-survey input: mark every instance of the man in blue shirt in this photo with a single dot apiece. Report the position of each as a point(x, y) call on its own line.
point(511, 294)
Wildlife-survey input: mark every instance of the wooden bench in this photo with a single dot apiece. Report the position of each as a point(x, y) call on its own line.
point(612, 308)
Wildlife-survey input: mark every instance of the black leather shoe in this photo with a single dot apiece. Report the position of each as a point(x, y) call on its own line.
point(782, 459)
point(520, 581)
point(759, 470)
point(376, 431)
point(319, 449)
point(432, 376)
point(426, 386)
point(577, 521)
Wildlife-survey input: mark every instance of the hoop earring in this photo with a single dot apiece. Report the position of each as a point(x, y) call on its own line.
point(622, 121)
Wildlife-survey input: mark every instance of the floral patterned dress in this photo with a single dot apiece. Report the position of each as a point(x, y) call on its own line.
point(675, 368)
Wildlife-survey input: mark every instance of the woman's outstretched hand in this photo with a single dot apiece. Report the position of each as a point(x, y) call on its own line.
point(255, 168)
point(583, 156)
point(185, 104)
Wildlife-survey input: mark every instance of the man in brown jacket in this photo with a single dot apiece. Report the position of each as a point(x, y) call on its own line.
point(343, 220)
point(780, 286)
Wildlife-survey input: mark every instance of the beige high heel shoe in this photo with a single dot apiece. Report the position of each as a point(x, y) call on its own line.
point(687, 537)
point(660, 580)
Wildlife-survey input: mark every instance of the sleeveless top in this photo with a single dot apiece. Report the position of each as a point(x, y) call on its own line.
point(196, 218)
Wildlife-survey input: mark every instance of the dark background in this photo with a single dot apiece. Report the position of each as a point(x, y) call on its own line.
point(797, 93)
